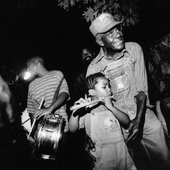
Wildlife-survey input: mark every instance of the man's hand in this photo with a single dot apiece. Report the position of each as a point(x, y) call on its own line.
point(133, 130)
point(42, 112)
point(136, 126)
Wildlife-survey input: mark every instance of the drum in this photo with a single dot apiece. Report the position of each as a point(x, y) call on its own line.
point(48, 137)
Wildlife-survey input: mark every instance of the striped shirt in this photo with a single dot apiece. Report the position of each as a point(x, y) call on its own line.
point(45, 87)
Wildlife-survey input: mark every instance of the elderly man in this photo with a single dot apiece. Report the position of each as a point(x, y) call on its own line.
point(123, 63)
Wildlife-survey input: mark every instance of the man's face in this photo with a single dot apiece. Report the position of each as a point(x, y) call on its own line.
point(113, 39)
point(30, 72)
point(86, 55)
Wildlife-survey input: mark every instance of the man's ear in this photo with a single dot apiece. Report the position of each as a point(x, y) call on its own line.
point(99, 40)
point(91, 92)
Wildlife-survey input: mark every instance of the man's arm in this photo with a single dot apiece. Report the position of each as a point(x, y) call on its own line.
point(59, 101)
point(141, 83)
point(141, 106)
point(136, 125)
point(60, 98)
point(142, 93)
point(140, 74)
point(61, 95)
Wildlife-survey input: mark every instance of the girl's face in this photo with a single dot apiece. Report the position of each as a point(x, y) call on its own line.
point(102, 88)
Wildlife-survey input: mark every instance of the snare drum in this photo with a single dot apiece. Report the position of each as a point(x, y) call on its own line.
point(48, 136)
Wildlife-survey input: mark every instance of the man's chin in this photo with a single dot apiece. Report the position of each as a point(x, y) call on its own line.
point(118, 46)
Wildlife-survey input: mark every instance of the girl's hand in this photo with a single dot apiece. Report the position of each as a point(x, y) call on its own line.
point(80, 103)
point(77, 109)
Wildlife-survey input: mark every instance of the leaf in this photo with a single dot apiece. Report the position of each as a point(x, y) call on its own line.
point(72, 2)
point(117, 17)
point(63, 5)
point(116, 5)
point(90, 14)
point(120, 9)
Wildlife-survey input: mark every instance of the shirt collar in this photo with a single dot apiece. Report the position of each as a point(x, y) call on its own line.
point(102, 55)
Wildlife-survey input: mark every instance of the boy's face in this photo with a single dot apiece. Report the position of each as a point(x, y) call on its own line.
point(102, 88)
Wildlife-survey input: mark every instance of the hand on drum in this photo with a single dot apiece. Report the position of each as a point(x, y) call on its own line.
point(42, 112)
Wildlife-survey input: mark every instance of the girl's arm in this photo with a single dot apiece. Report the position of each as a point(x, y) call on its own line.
point(73, 123)
point(121, 116)
point(74, 118)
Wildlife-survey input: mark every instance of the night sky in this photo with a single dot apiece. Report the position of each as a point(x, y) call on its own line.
point(45, 30)
point(58, 36)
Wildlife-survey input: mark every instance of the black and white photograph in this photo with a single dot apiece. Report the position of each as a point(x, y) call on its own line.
point(85, 85)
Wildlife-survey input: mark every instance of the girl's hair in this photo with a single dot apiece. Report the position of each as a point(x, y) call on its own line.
point(92, 80)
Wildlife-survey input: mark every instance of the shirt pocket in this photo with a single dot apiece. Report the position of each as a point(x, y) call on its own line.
point(119, 83)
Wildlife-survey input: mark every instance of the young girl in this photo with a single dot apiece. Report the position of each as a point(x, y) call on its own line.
point(102, 125)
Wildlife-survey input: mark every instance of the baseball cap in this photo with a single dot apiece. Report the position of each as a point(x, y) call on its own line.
point(102, 23)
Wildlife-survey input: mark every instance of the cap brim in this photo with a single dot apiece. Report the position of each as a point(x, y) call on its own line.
point(109, 27)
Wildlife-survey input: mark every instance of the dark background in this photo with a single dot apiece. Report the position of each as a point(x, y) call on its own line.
point(41, 28)
point(58, 36)
point(55, 34)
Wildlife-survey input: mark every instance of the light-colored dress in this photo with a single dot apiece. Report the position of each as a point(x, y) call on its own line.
point(111, 152)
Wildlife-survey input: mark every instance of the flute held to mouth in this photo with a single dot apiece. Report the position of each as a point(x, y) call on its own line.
point(88, 103)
